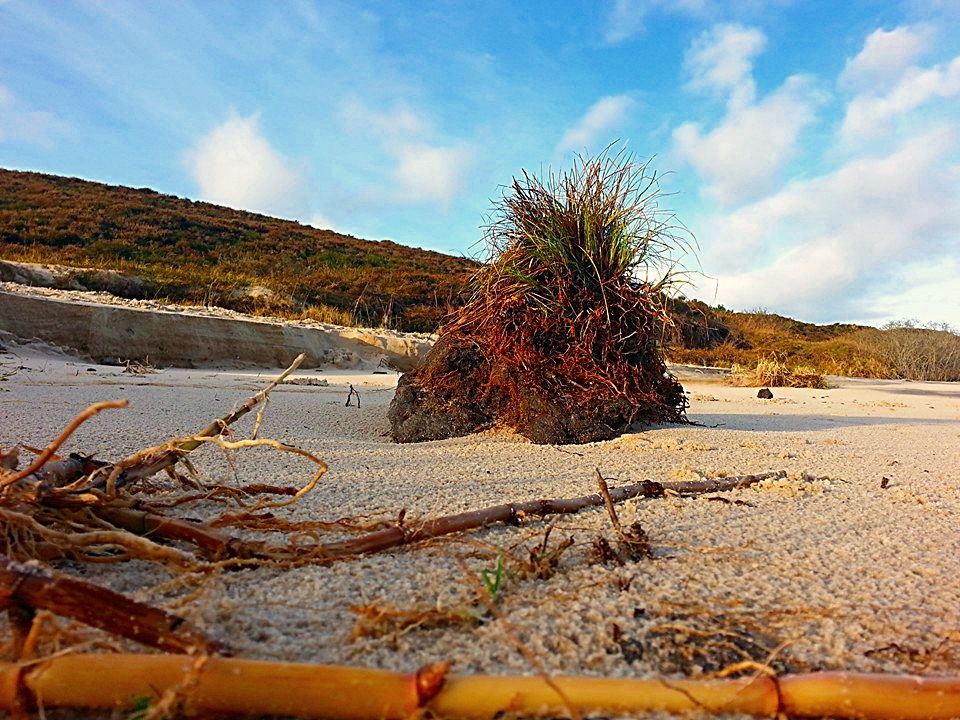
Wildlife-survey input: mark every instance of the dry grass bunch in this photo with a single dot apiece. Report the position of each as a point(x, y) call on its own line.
point(770, 372)
point(566, 317)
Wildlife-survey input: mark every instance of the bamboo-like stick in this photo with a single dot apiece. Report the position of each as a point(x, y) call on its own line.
point(873, 696)
point(311, 691)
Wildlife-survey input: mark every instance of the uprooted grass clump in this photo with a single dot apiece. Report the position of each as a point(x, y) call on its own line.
point(559, 339)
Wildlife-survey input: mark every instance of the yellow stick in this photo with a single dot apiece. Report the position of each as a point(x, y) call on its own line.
point(867, 695)
point(273, 688)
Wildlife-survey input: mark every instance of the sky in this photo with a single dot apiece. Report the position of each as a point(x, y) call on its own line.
point(811, 147)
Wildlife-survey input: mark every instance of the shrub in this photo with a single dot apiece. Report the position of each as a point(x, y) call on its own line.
point(919, 352)
point(770, 372)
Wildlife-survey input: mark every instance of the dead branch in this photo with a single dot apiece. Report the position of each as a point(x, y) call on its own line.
point(147, 463)
point(215, 544)
point(633, 541)
point(218, 426)
point(62, 438)
point(513, 513)
point(721, 484)
point(36, 587)
point(222, 546)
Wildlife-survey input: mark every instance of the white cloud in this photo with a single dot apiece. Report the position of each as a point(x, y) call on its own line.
point(833, 245)
point(20, 123)
point(886, 54)
point(922, 291)
point(869, 115)
point(321, 222)
point(603, 115)
point(721, 60)
point(235, 165)
point(742, 155)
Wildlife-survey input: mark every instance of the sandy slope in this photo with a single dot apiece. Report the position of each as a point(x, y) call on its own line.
point(99, 326)
point(827, 568)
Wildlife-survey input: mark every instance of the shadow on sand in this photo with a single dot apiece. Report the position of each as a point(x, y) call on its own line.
point(800, 423)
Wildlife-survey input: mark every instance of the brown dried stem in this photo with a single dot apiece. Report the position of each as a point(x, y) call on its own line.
point(36, 587)
point(222, 546)
point(513, 513)
point(62, 438)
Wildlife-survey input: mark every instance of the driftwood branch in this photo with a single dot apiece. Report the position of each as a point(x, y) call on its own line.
point(218, 426)
point(150, 465)
point(48, 452)
point(220, 545)
point(77, 481)
point(35, 587)
point(512, 513)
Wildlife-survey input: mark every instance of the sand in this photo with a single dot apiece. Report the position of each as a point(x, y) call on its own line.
point(824, 570)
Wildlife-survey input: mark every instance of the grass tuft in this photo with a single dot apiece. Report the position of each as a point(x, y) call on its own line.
point(770, 372)
point(570, 308)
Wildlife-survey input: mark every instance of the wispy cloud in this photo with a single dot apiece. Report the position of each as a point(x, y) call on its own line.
point(886, 54)
point(743, 153)
point(422, 171)
point(831, 246)
point(19, 122)
point(605, 114)
point(321, 222)
point(917, 290)
point(721, 61)
point(426, 173)
point(870, 115)
point(627, 17)
point(235, 165)
point(399, 121)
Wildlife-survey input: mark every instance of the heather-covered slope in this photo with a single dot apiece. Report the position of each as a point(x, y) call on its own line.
point(207, 254)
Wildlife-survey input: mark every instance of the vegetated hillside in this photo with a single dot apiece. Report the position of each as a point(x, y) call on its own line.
point(194, 252)
point(200, 253)
point(908, 350)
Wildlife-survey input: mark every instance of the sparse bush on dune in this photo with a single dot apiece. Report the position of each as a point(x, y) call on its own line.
point(915, 351)
point(559, 339)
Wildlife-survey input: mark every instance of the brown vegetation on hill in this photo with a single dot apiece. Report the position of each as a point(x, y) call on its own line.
point(720, 337)
point(200, 253)
point(177, 250)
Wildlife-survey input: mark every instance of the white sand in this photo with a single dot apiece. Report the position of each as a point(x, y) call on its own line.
point(827, 566)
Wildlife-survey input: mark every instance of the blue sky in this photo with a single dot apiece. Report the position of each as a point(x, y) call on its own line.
point(812, 147)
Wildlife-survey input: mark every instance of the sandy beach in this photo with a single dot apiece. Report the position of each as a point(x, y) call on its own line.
point(851, 562)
